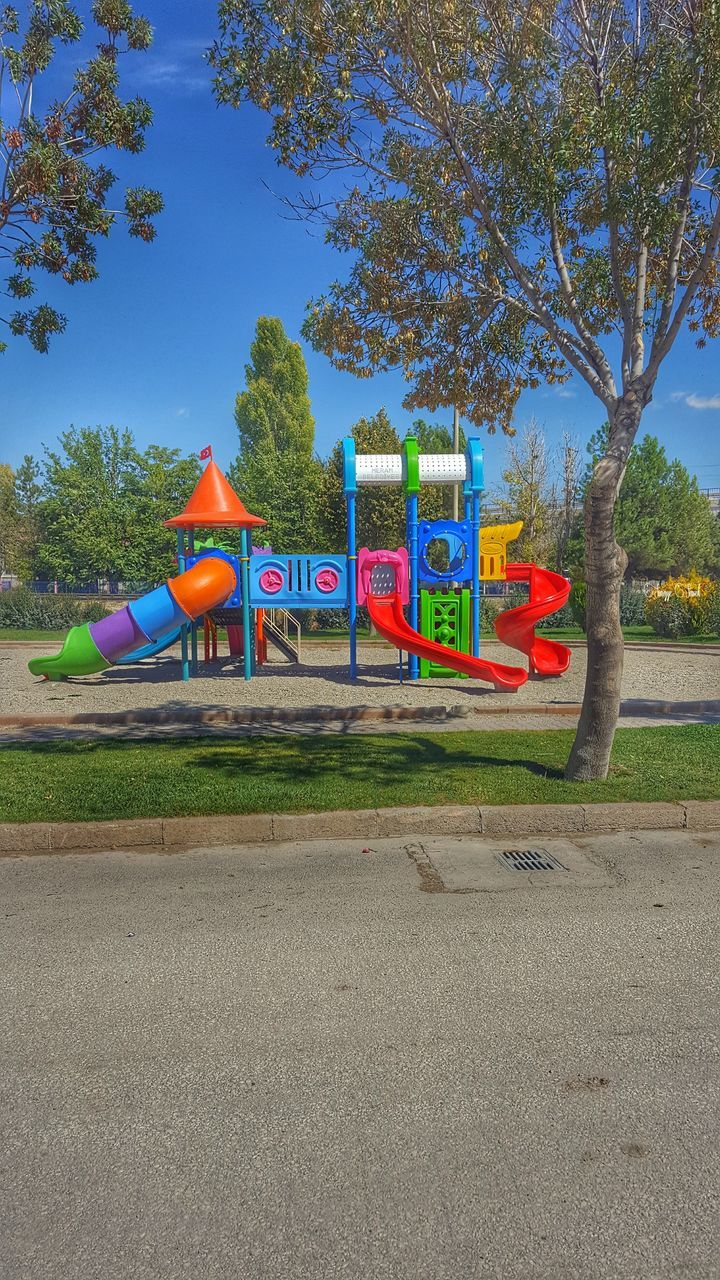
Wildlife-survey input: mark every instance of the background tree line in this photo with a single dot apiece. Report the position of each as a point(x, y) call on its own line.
point(663, 522)
point(93, 507)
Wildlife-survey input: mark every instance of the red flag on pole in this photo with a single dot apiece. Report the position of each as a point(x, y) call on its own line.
point(206, 452)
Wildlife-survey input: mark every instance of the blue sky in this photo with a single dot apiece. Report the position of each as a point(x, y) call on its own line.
point(159, 343)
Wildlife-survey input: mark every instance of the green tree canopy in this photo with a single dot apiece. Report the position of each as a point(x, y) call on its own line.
point(273, 413)
point(102, 506)
point(285, 489)
point(663, 522)
point(54, 192)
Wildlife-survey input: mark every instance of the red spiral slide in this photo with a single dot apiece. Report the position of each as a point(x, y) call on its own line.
point(388, 618)
point(516, 627)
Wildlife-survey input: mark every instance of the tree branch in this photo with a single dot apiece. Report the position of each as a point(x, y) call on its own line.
point(662, 344)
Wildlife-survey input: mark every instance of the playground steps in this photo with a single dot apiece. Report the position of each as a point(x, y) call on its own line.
point(275, 628)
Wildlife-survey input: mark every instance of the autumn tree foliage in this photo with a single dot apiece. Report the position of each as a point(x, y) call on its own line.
point(526, 191)
point(55, 190)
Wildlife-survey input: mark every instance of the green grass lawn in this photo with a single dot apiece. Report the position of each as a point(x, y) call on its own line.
point(51, 637)
point(76, 781)
point(630, 633)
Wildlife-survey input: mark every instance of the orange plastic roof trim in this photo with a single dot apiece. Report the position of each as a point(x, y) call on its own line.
point(214, 503)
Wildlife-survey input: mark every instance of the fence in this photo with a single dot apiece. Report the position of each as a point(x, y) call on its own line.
point(96, 587)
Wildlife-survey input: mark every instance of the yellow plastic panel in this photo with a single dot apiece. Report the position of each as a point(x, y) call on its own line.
point(493, 549)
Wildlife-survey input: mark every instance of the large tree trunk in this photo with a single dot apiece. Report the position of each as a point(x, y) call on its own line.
point(605, 564)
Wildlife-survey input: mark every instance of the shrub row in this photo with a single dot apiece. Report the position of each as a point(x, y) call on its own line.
point(24, 610)
point(680, 607)
point(632, 605)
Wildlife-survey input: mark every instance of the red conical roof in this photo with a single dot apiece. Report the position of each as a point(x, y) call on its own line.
point(214, 502)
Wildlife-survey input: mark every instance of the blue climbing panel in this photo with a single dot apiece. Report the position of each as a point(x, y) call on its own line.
point(299, 582)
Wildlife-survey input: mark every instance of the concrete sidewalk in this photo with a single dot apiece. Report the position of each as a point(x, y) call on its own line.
point(376, 1060)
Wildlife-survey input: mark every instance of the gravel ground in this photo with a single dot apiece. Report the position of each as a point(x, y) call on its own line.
point(322, 680)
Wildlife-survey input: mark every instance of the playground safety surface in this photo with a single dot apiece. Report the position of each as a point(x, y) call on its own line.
point(321, 681)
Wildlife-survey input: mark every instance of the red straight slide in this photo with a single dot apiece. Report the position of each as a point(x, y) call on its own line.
point(386, 613)
point(516, 627)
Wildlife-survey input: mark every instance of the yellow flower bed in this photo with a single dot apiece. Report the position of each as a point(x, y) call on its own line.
point(684, 606)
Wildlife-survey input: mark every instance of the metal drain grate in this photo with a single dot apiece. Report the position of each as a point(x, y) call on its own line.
point(529, 860)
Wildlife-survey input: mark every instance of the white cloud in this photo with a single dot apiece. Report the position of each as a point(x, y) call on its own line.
point(183, 413)
point(694, 401)
point(703, 402)
point(178, 65)
point(565, 393)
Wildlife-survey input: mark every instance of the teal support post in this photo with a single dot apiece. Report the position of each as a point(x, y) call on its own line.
point(245, 588)
point(411, 517)
point(183, 630)
point(193, 625)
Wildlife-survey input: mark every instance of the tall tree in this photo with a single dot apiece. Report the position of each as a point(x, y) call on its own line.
point(381, 509)
point(53, 190)
point(285, 489)
point(527, 494)
point(566, 500)
point(8, 519)
point(276, 472)
point(528, 183)
point(663, 521)
point(27, 507)
point(273, 413)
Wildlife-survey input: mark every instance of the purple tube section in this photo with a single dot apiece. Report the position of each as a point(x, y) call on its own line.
point(117, 635)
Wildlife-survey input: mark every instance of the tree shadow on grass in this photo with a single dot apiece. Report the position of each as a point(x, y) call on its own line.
point(395, 760)
point(355, 759)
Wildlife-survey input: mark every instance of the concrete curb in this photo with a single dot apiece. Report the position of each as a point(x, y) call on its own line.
point(366, 824)
point(185, 716)
point(193, 716)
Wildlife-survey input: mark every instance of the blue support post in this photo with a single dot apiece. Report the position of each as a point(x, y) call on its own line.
point(350, 490)
point(475, 599)
point(245, 587)
point(352, 582)
point(183, 630)
point(411, 518)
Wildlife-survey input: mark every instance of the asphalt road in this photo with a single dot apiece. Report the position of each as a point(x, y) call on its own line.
point(322, 1062)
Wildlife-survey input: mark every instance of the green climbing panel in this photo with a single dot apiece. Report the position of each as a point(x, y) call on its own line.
point(445, 618)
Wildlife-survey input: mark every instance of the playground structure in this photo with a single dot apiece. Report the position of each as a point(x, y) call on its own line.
point(249, 589)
